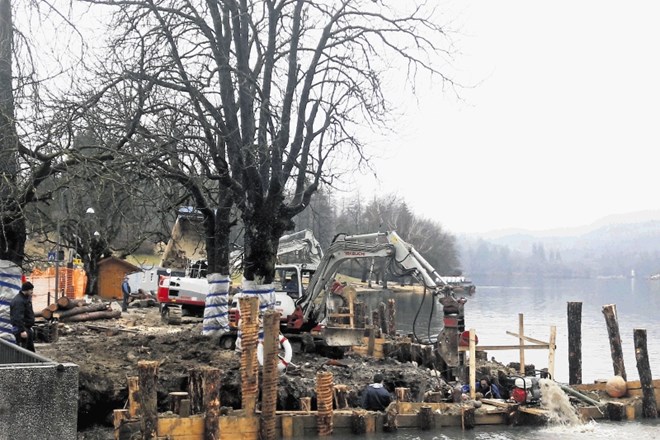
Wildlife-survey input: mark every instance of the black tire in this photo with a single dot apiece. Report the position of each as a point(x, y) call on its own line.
point(171, 315)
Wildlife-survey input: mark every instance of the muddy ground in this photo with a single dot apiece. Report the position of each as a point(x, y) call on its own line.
point(107, 352)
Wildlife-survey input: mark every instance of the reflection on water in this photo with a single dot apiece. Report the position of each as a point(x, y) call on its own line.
point(601, 430)
point(494, 310)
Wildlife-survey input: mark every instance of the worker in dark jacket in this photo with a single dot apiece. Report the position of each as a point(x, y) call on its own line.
point(376, 397)
point(126, 293)
point(22, 316)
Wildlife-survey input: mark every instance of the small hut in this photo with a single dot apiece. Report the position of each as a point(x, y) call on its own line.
point(111, 274)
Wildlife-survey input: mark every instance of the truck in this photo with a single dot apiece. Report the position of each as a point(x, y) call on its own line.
point(185, 295)
point(324, 299)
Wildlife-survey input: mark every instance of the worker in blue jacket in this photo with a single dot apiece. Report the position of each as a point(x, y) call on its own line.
point(376, 397)
point(22, 316)
point(488, 389)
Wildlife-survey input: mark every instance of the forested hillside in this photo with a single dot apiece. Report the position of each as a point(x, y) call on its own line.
point(609, 250)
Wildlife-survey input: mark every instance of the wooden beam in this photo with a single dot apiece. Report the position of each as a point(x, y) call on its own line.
point(551, 351)
point(507, 347)
point(527, 338)
point(473, 365)
point(521, 338)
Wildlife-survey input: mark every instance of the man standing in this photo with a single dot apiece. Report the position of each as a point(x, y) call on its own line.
point(126, 291)
point(375, 396)
point(22, 316)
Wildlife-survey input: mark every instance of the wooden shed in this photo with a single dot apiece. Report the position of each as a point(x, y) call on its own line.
point(111, 274)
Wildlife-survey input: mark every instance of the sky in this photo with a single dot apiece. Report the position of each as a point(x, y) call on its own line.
point(558, 125)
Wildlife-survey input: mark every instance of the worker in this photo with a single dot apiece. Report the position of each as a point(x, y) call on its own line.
point(488, 389)
point(22, 316)
point(376, 397)
point(126, 292)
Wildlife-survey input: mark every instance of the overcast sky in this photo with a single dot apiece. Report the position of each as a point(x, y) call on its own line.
point(562, 130)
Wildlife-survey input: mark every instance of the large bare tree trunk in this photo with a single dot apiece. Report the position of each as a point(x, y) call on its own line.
point(12, 223)
point(217, 225)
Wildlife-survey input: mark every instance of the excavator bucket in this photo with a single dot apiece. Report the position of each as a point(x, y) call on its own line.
point(342, 336)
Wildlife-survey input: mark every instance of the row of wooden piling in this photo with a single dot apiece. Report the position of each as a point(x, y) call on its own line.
point(649, 404)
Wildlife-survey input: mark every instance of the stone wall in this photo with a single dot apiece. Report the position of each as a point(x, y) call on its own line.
point(38, 401)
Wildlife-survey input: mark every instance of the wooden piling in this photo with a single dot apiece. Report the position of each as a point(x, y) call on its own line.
point(425, 418)
point(391, 412)
point(473, 362)
point(402, 394)
point(574, 343)
point(375, 322)
point(391, 320)
point(358, 311)
point(119, 415)
point(324, 398)
point(341, 396)
point(175, 401)
point(611, 321)
point(249, 307)
point(468, 417)
point(306, 404)
point(196, 390)
point(211, 401)
point(133, 396)
point(521, 339)
point(616, 411)
point(649, 405)
point(552, 347)
point(384, 325)
point(270, 374)
point(372, 340)
point(359, 422)
point(148, 375)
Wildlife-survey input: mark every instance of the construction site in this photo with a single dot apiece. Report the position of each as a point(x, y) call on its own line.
point(298, 370)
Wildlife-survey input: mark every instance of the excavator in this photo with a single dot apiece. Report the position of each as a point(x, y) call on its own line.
point(298, 253)
point(321, 301)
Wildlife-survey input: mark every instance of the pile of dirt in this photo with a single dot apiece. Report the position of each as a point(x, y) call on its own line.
point(108, 352)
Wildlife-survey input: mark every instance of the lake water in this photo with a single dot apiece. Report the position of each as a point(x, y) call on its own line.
point(493, 310)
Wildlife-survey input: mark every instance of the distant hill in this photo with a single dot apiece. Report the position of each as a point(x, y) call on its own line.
point(611, 246)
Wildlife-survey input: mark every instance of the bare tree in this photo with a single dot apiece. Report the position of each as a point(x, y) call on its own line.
point(267, 99)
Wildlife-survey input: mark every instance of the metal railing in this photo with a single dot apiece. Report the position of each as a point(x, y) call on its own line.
point(13, 354)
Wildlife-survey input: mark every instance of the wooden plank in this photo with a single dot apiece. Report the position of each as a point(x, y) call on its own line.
point(506, 347)
point(552, 346)
point(600, 386)
point(413, 407)
point(239, 428)
point(587, 413)
point(533, 411)
point(497, 403)
point(473, 365)
point(527, 338)
point(181, 428)
point(521, 336)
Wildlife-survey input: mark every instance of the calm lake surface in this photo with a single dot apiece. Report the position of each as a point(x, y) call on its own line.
point(493, 310)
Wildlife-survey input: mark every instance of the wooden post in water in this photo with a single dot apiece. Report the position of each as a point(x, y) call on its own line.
point(574, 343)
point(552, 346)
point(521, 339)
point(649, 405)
point(473, 364)
point(609, 311)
